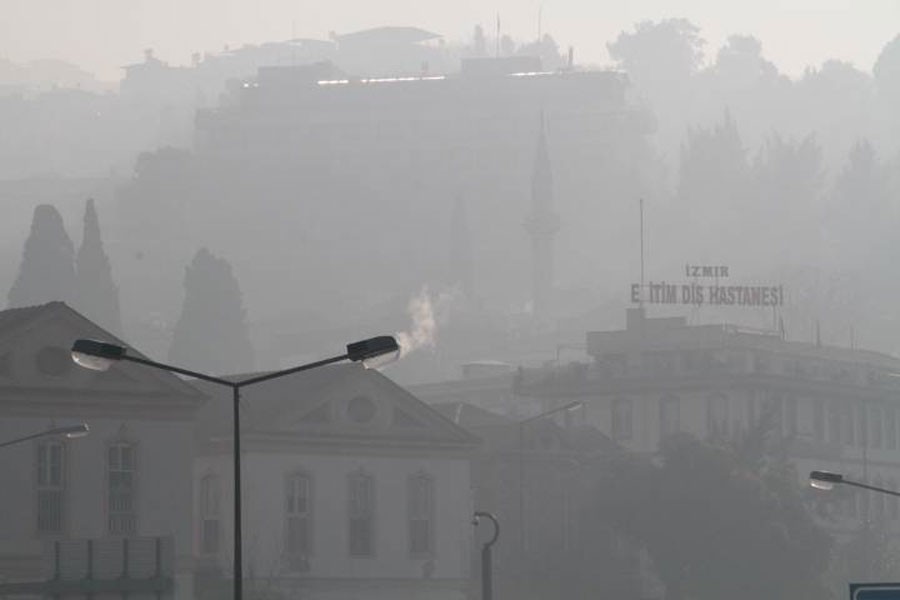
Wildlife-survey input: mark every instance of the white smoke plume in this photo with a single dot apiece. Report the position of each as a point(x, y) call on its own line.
point(426, 310)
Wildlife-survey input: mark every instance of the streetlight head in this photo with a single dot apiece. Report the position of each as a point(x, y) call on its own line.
point(74, 431)
point(374, 352)
point(95, 355)
point(824, 480)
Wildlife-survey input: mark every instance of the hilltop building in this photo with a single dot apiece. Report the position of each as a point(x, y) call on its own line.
point(835, 409)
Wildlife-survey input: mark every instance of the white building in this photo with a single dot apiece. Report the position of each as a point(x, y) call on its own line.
point(835, 409)
point(352, 488)
point(129, 479)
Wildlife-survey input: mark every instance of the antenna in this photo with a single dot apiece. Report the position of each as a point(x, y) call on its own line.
point(498, 35)
point(540, 15)
point(641, 206)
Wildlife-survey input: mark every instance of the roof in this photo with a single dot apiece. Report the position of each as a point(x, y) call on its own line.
point(12, 319)
point(677, 335)
point(388, 35)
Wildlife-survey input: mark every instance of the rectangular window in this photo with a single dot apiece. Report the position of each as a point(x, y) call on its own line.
point(890, 428)
point(717, 417)
point(362, 512)
point(298, 513)
point(849, 427)
point(818, 420)
point(421, 515)
point(863, 437)
point(209, 514)
point(669, 416)
point(752, 416)
point(121, 501)
point(790, 419)
point(875, 426)
point(51, 487)
point(834, 422)
point(621, 419)
point(878, 503)
point(892, 501)
point(773, 413)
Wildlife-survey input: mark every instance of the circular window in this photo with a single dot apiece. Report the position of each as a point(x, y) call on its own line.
point(361, 409)
point(52, 360)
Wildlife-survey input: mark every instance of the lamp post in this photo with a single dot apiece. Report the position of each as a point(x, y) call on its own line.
point(99, 356)
point(522, 424)
point(487, 566)
point(70, 431)
point(826, 480)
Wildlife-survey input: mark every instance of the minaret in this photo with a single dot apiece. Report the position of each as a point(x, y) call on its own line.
point(542, 225)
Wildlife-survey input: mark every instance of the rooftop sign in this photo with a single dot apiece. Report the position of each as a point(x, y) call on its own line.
point(700, 291)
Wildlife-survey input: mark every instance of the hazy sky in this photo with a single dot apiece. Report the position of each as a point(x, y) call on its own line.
point(101, 35)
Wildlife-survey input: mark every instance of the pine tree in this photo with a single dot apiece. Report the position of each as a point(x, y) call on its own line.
point(97, 295)
point(47, 271)
point(211, 334)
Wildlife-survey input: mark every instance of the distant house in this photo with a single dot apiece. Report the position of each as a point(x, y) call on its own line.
point(352, 488)
point(128, 481)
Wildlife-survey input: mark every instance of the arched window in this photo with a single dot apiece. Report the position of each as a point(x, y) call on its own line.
point(361, 505)
point(210, 503)
point(420, 511)
point(121, 474)
point(298, 515)
point(51, 487)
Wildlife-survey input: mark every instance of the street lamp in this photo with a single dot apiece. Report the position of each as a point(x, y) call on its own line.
point(825, 480)
point(522, 424)
point(100, 356)
point(70, 431)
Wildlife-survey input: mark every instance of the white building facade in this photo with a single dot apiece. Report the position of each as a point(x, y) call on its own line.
point(352, 488)
point(126, 482)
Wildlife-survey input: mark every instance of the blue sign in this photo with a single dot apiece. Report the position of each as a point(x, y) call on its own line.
point(875, 591)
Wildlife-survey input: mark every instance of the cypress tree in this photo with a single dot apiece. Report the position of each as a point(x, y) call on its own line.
point(211, 334)
point(47, 271)
point(97, 295)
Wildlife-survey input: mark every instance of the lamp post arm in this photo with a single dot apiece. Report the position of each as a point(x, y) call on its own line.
point(25, 439)
point(549, 412)
point(870, 487)
point(179, 370)
point(489, 516)
point(276, 374)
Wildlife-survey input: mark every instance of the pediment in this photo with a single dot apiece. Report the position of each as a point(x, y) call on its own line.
point(359, 404)
point(35, 355)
